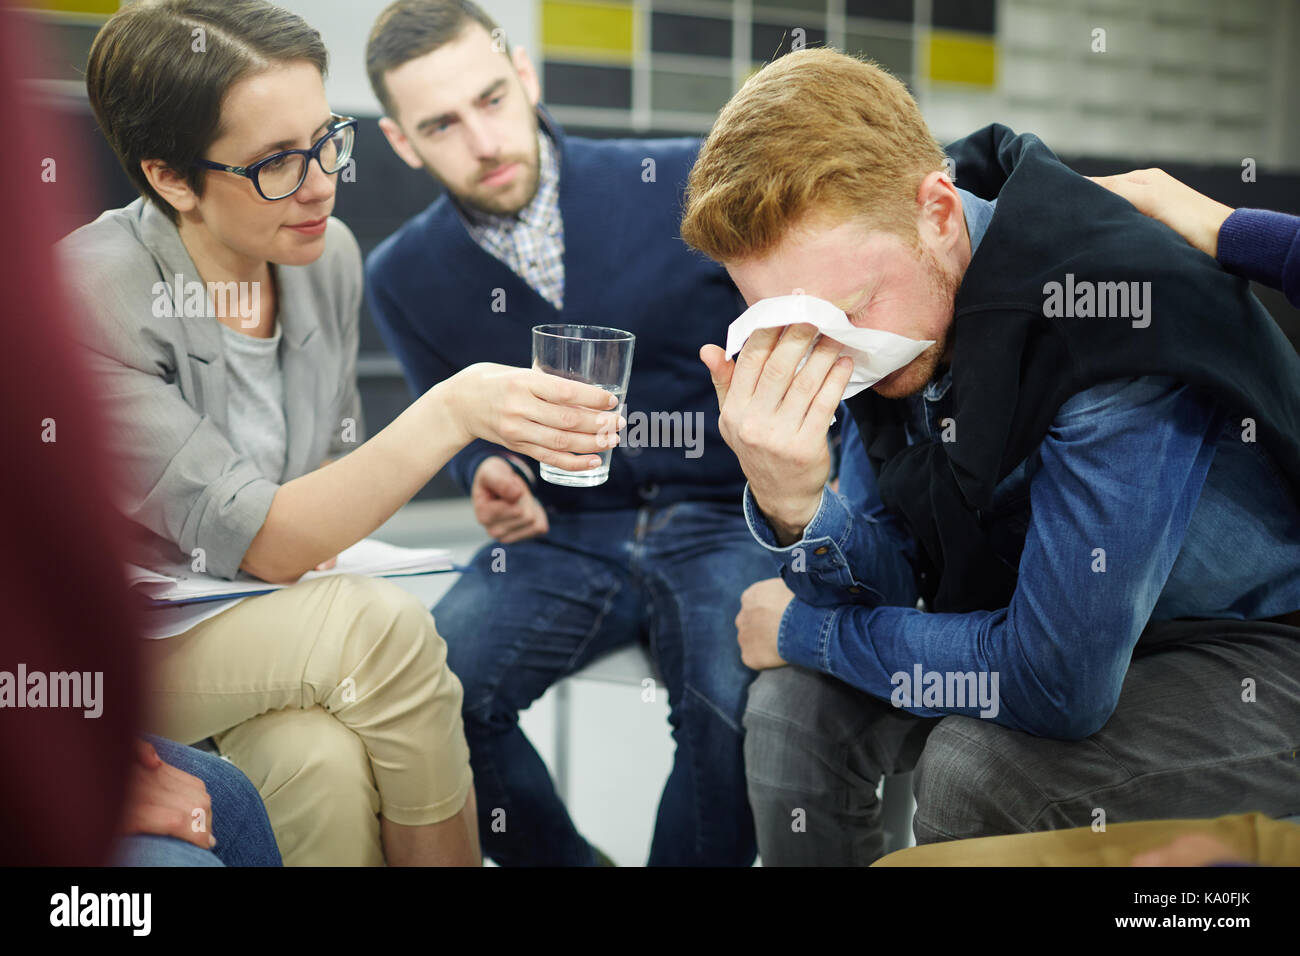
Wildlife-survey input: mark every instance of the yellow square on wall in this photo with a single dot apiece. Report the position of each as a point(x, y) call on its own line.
point(97, 7)
point(604, 32)
point(962, 58)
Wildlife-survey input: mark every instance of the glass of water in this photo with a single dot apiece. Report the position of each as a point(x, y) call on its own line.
point(592, 354)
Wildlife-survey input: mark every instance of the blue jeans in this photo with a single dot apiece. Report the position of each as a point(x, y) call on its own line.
point(239, 821)
point(595, 582)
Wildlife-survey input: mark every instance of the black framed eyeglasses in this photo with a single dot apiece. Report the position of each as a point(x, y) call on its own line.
point(281, 175)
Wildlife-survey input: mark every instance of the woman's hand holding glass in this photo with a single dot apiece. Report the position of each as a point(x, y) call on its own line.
point(554, 420)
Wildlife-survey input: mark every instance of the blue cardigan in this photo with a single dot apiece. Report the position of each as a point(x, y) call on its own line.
point(431, 290)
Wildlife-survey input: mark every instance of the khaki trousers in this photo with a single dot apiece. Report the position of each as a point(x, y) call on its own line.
point(334, 697)
point(1252, 836)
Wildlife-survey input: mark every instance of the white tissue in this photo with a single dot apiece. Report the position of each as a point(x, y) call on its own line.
point(875, 353)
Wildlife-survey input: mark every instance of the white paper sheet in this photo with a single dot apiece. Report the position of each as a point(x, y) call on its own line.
point(367, 556)
point(180, 600)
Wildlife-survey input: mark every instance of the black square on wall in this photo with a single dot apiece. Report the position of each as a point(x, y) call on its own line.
point(573, 84)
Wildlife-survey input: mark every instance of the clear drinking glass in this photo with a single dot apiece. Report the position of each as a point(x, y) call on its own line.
point(592, 354)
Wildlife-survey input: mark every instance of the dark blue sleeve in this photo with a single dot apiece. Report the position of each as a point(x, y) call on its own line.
point(421, 364)
point(466, 461)
point(1264, 246)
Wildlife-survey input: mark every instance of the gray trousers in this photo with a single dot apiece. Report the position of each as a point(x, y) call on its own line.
point(1181, 743)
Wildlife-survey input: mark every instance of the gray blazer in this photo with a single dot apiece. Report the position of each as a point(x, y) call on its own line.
point(163, 383)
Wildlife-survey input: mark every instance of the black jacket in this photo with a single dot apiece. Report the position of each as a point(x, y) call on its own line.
point(1013, 366)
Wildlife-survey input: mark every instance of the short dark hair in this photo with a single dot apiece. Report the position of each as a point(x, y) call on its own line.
point(411, 28)
point(156, 83)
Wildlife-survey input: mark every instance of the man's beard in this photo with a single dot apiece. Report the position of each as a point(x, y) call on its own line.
point(921, 370)
point(500, 206)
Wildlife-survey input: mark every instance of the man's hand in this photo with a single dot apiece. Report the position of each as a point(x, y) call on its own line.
point(776, 420)
point(1195, 217)
point(166, 801)
point(504, 504)
point(759, 622)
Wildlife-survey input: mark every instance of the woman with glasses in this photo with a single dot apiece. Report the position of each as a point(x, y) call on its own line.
point(221, 312)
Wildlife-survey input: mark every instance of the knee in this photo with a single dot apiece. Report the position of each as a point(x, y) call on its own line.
point(388, 629)
point(235, 802)
point(332, 756)
point(771, 695)
point(233, 795)
point(967, 785)
point(793, 715)
point(786, 699)
point(314, 776)
point(296, 747)
point(384, 612)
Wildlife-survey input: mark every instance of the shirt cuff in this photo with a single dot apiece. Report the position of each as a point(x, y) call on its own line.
point(521, 467)
point(832, 520)
point(817, 560)
point(804, 636)
point(469, 466)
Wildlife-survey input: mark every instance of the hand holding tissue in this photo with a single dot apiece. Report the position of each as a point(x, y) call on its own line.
point(875, 354)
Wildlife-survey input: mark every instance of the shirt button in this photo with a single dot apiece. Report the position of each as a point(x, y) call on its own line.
point(822, 550)
point(649, 490)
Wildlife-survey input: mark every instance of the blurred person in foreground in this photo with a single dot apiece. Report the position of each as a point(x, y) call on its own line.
point(70, 630)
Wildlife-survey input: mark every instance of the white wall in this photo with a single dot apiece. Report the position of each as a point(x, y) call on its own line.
point(1194, 80)
point(345, 25)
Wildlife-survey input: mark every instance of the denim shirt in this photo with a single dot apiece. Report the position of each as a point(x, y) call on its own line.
point(1142, 503)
